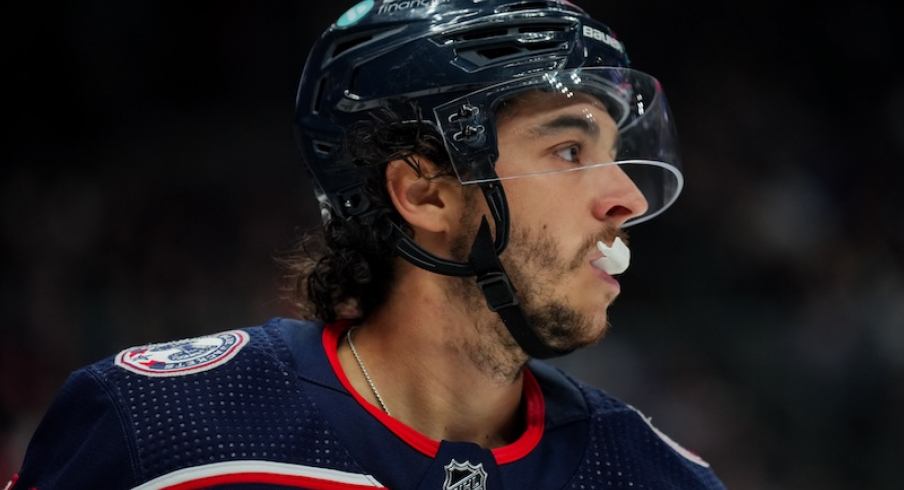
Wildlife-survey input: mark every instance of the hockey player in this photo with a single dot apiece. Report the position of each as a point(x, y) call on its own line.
point(476, 162)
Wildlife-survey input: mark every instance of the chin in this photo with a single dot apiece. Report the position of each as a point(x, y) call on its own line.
point(569, 328)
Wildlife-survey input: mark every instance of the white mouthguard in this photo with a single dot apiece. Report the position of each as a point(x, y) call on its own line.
point(615, 259)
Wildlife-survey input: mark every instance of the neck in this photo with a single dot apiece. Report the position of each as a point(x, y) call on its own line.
point(437, 369)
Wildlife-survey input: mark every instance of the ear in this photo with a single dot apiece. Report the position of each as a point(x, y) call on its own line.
point(430, 206)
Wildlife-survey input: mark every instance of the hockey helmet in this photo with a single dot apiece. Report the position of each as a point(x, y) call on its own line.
point(458, 60)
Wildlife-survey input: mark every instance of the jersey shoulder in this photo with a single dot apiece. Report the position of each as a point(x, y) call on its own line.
point(218, 401)
point(624, 446)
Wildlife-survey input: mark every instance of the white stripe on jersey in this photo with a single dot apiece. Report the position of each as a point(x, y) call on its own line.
point(236, 470)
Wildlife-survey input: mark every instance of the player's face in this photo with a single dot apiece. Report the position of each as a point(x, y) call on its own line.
point(558, 218)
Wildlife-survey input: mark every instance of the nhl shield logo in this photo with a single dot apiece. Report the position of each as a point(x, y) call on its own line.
point(465, 476)
point(183, 356)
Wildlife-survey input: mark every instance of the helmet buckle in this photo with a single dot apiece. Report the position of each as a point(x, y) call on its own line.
point(466, 111)
point(472, 135)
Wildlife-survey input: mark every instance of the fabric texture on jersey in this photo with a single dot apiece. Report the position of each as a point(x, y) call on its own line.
point(277, 416)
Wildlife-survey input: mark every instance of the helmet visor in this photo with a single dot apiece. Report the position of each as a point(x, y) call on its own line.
point(621, 114)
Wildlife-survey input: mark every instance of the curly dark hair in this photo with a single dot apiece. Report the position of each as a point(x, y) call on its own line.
point(345, 268)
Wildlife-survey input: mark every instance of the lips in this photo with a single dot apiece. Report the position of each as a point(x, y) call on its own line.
point(615, 259)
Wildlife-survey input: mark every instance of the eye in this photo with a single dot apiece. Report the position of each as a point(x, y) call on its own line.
point(571, 153)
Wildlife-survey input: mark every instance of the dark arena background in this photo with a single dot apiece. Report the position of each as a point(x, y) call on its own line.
point(150, 178)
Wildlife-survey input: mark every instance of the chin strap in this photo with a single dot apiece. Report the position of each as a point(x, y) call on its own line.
point(483, 262)
point(500, 294)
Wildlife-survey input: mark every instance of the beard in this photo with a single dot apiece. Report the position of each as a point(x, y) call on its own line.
point(537, 270)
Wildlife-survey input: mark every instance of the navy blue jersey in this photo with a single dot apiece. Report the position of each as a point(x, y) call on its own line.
point(269, 408)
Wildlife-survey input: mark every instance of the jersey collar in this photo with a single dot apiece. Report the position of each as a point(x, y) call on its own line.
point(533, 396)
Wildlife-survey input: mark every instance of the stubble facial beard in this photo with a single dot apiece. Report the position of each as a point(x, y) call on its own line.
point(535, 267)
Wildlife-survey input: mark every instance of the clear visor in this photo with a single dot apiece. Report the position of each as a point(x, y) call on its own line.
point(582, 119)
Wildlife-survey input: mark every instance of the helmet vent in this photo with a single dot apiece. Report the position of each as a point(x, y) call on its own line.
point(483, 34)
point(346, 44)
point(509, 33)
point(542, 28)
point(481, 47)
point(323, 148)
point(484, 56)
point(318, 96)
point(518, 7)
point(500, 52)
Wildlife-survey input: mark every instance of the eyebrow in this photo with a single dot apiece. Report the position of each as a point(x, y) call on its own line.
point(565, 122)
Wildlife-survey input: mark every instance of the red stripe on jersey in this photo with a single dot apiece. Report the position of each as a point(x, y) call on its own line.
point(302, 482)
point(535, 415)
point(331, 336)
point(535, 407)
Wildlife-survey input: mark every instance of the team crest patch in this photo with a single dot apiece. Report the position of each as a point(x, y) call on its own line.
point(465, 476)
point(182, 357)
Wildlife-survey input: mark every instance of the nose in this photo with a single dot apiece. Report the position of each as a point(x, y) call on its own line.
point(617, 197)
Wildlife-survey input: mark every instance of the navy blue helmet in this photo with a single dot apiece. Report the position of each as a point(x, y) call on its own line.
point(390, 53)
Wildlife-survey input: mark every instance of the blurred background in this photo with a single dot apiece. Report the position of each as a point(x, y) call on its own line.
point(151, 176)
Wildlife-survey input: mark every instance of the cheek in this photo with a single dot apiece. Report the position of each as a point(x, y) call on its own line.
point(541, 204)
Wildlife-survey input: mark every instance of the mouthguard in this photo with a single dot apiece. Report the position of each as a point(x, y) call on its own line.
point(615, 259)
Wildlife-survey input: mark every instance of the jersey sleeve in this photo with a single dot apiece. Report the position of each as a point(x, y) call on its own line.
point(82, 442)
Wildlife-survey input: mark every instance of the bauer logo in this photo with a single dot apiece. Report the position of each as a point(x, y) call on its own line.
point(183, 357)
point(603, 37)
point(354, 14)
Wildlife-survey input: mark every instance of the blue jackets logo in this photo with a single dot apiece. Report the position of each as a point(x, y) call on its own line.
point(182, 357)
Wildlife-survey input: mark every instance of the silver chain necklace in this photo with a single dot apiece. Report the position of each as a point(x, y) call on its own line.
point(373, 388)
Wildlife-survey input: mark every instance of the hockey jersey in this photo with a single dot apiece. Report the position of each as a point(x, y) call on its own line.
point(269, 407)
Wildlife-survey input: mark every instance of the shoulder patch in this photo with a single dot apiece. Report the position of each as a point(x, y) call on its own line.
point(181, 357)
point(690, 456)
